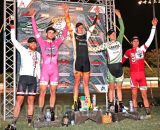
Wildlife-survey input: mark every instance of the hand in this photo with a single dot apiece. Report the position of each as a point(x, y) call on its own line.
point(117, 12)
point(11, 22)
point(154, 22)
point(66, 8)
point(97, 10)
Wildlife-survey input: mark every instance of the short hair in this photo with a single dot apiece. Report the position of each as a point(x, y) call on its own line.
point(134, 37)
point(50, 28)
point(110, 31)
point(32, 39)
point(78, 24)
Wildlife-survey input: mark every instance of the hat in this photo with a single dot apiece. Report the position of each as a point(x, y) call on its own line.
point(135, 37)
point(110, 31)
point(31, 39)
point(50, 28)
point(78, 24)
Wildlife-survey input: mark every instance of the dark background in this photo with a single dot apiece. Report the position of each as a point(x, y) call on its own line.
point(137, 20)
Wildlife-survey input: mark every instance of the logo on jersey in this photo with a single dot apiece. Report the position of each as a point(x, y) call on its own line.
point(114, 46)
point(139, 54)
point(50, 51)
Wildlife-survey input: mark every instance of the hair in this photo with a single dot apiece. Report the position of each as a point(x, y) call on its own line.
point(134, 37)
point(110, 31)
point(31, 39)
point(78, 24)
point(50, 28)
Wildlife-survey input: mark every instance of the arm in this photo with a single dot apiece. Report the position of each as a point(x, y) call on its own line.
point(35, 30)
point(93, 24)
point(32, 14)
point(62, 37)
point(152, 33)
point(125, 57)
point(68, 20)
point(98, 48)
point(18, 45)
point(120, 20)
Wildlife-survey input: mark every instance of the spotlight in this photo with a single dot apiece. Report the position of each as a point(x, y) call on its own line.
point(154, 1)
point(140, 2)
point(145, 2)
point(149, 2)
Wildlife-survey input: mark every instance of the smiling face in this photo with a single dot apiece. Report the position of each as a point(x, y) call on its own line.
point(81, 29)
point(50, 34)
point(135, 43)
point(32, 46)
point(112, 36)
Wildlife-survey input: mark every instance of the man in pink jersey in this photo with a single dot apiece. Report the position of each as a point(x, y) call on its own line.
point(49, 72)
point(137, 71)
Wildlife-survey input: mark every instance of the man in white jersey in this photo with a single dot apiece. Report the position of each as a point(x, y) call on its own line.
point(29, 73)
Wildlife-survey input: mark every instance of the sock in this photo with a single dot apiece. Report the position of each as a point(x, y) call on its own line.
point(135, 109)
point(40, 110)
point(148, 110)
point(29, 117)
point(75, 99)
point(14, 120)
point(89, 102)
point(52, 109)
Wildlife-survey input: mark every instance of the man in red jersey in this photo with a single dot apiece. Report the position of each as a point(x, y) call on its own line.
point(137, 69)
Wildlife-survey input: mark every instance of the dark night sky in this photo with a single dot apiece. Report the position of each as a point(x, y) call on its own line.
point(137, 20)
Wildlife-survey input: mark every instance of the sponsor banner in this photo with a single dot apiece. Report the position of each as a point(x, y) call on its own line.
point(50, 13)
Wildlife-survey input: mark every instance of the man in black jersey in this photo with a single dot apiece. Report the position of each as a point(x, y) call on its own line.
point(81, 59)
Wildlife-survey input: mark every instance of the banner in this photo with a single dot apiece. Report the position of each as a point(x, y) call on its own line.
point(51, 14)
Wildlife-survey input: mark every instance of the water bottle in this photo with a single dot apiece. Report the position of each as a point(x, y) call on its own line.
point(116, 106)
point(48, 115)
point(131, 109)
point(93, 101)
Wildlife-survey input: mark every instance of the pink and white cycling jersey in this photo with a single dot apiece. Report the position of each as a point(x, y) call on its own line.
point(49, 50)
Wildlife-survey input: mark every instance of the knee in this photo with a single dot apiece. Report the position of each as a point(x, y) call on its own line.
point(42, 93)
point(144, 95)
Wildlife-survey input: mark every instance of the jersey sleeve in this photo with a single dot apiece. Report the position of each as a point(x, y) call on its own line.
point(149, 40)
point(125, 56)
point(92, 27)
point(98, 48)
point(121, 33)
point(62, 37)
point(35, 30)
point(17, 45)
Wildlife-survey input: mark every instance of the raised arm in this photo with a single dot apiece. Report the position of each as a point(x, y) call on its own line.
point(68, 20)
point(152, 33)
point(98, 48)
point(18, 45)
point(32, 14)
point(92, 27)
point(121, 24)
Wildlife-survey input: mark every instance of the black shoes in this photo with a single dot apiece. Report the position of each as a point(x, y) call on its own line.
point(10, 127)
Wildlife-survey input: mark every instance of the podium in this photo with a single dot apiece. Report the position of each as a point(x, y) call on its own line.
point(82, 116)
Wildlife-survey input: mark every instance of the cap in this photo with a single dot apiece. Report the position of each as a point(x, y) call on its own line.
point(78, 24)
point(135, 37)
point(50, 28)
point(31, 39)
point(110, 31)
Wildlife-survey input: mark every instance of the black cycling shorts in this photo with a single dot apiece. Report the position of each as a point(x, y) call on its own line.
point(82, 65)
point(27, 85)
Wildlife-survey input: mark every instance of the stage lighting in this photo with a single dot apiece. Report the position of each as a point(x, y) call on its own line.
point(140, 2)
point(145, 2)
point(149, 2)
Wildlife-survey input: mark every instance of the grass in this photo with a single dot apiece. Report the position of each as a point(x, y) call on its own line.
point(126, 124)
point(64, 103)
